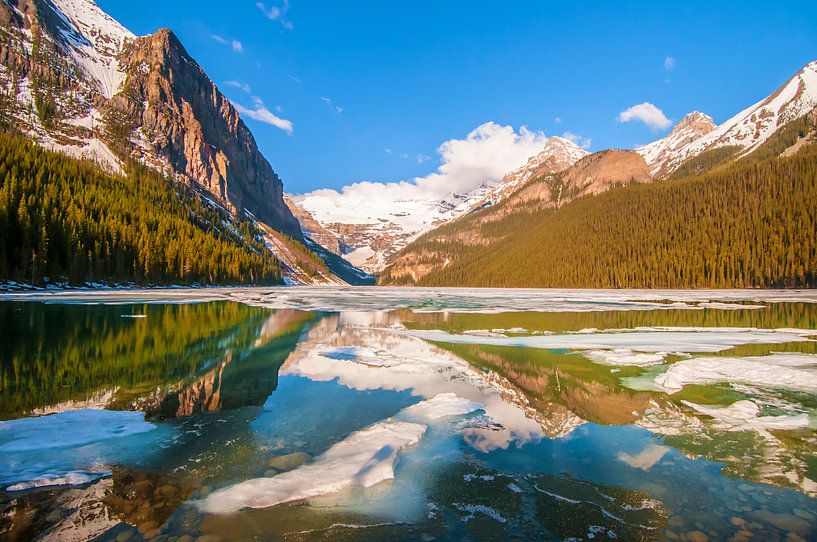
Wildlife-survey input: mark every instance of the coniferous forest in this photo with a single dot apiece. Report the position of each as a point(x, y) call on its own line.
point(64, 220)
point(751, 223)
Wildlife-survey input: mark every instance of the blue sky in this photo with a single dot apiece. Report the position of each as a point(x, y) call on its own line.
point(359, 79)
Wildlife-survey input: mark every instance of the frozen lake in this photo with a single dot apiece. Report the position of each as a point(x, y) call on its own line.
point(408, 414)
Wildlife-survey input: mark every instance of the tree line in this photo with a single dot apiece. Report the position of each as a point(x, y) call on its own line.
point(751, 223)
point(65, 220)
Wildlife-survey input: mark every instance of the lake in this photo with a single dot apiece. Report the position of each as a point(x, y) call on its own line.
point(408, 414)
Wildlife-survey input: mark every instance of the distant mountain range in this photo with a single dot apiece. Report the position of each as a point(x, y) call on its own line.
point(372, 242)
point(555, 236)
point(74, 80)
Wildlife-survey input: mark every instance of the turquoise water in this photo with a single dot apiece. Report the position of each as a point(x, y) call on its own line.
point(153, 419)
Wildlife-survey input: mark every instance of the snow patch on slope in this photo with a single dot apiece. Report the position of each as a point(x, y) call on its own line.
point(95, 40)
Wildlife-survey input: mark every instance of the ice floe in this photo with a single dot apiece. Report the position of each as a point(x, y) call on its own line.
point(790, 371)
point(476, 300)
point(625, 356)
point(71, 478)
point(745, 415)
point(442, 406)
point(69, 429)
point(362, 459)
point(644, 339)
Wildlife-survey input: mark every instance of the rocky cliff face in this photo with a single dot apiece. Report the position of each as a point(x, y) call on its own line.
point(179, 120)
point(75, 80)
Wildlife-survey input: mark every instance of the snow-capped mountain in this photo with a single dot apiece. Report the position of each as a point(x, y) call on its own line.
point(370, 235)
point(94, 39)
point(660, 155)
point(748, 129)
point(557, 155)
point(77, 81)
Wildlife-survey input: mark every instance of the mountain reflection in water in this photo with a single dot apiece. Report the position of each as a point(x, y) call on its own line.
point(231, 421)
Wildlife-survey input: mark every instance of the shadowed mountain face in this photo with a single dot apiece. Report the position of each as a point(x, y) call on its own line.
point(82, 84)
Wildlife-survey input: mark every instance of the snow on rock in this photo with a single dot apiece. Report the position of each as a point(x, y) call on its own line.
point(374, 227)
point(557, 155)
point(663, 152)
point(95, 39)
point(748, 129)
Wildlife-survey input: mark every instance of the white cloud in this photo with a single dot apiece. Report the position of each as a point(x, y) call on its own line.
point(238, 84)
point(648, 114)
point(388, 150)
point(276, 13)
point(583, 142)
point(294, 78)
point(336, 108)
point(235, 45)
point(669, 63)
point(485, 154)
point(422, 158)
point(558, 120)
point(260, 113)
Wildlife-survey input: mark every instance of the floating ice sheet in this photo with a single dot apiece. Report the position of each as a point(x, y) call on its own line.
point(363, 459)
point(69, 429)
point(698, 340)
point(745, 415)
point(785, 371)
point(477, 300)
point(71, 478)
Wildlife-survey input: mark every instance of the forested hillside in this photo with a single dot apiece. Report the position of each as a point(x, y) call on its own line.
point(752, 223)
point(65, 220)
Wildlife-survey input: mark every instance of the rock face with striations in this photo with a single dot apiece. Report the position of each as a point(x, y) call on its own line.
point(78, 82)
point(183, 121)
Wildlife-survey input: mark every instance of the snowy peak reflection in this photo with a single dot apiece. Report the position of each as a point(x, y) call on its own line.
point(362, 358)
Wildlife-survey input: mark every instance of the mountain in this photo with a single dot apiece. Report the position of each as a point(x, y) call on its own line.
point(552, 220)
point(696, 232)
point(661, 155)
point(81, 83)
point(67, 221)
point(74, 80)
point(557, 155)
point(369, 238)
point(482, 228)
point(743, 133)
point(313, 229)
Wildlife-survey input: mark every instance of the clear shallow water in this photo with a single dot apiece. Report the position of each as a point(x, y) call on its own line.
point(408, 414)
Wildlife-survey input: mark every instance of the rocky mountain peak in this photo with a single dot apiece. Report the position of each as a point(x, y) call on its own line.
point(660, 154)
point(557, 155)
point(695, 122)
point(92, 89)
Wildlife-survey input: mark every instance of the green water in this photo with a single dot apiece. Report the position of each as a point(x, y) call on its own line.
point(143, 420)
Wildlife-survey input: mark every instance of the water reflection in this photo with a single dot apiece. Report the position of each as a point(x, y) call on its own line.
point(223, 420)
